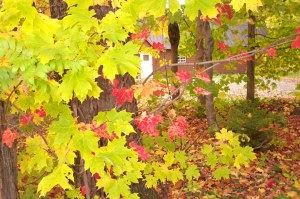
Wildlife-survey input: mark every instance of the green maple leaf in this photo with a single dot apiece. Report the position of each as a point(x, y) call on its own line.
point(181, 158)
point(63, 129)
point(222, 172)
point(208, 8)
point(84, 141)
point(151, 181)
point(169, 159)
point(114, 187)
point(81, 82)
point(55, 109)
point(174, 175)
point(207, 149)
point(94, 163)
point(225, 135)
point(118, 122)
point(80, 16)
point(192, 172)
point(243, 156)
point(174, 6)
point(212, 159)
point(120, 60)
point(250, 5)
point(112, 29)
point(59, 176)
point(40, 158)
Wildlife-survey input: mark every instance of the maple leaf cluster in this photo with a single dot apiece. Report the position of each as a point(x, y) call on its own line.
point(183, 76)
point(148, 123)
point(178, 127)
point(40, 112)
point(222, 46)
point(222, 9)
point(122, 94)
point(158, 46)
point(201, 91)
point(144, 34)
point(143, 154)
point(203, 76)
point(9, 136)
point(296, 43)
point(26, 119)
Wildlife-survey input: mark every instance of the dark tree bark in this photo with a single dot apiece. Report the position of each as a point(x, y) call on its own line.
point(204, 48)
point(174, 38)
point(251, 63)
point(58, 8)
point(8, 160)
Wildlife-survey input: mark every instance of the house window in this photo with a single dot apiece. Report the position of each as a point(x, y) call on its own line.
point(145, 57)
point(181, 59)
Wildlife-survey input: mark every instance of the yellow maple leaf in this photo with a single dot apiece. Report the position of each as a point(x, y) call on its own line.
point(250, 5)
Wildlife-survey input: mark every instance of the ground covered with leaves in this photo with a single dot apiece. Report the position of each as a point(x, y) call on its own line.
point(274, 174)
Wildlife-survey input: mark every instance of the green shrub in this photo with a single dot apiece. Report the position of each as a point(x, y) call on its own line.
point(255, 124)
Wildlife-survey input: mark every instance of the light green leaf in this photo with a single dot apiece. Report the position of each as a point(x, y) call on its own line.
point(222, 172)
point(81, 82)
point(212, 159)
point(59, 176)
point(169, 159)
point(208, 8)
point(63, 130)
point(207, 149)
point(192, 172)
point(120, 60)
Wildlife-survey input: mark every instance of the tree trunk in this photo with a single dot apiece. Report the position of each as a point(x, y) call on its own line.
point(174, 38)
point(8, 161)
point(204, 48)
point(251, 63)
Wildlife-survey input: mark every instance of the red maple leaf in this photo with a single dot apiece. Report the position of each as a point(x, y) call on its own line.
point(9, 136)
point(178, 127)
point(158, 46)
point(143, 154)
point(203, 76)
point(222, 46)
point(201, 91)
point(144, 34)
point(40, 112)
point(271, 52)
point(26, 119)
point(123, 95)
point(148, 123)
point(96, 176)
point(183, 76)
point(83, 190)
